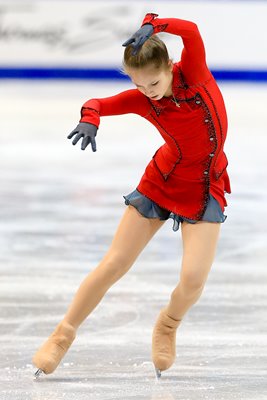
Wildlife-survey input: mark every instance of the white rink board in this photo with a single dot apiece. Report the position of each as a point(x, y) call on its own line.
point(89, 33)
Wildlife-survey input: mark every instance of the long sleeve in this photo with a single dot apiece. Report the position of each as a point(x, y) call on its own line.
point(193, 58)
point(129, 101)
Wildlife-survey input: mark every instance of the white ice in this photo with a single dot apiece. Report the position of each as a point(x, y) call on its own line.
point(59, 208)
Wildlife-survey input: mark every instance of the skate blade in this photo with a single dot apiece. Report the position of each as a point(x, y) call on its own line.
point(158, 373)
point(38, 373)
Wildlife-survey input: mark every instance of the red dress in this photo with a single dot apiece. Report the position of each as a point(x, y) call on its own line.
point(191, 164)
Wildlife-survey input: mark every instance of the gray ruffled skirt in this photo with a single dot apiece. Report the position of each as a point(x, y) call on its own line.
point(149, 209)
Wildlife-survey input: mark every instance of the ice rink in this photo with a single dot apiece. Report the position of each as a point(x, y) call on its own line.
point(59, 209)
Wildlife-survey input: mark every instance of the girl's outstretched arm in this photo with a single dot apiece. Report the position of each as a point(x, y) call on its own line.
point(130, 101)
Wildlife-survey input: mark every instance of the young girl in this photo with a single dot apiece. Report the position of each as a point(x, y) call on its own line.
point(186, 180)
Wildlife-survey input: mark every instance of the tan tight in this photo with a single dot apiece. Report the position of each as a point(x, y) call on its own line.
point(133, 234)
point(199, 246)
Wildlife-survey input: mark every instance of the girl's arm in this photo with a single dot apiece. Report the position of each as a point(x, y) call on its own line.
point(130, 101)
point(193, 59)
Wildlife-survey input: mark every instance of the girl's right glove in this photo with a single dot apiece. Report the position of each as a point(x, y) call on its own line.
point(139, 38)
point(86, 131)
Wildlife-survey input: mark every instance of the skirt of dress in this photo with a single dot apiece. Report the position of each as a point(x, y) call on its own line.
point(149, 209)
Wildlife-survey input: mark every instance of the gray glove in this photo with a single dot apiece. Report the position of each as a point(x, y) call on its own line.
point(86, 131)
point(138, 38)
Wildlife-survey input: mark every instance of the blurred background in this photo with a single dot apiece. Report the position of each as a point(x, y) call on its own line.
point(45, 38)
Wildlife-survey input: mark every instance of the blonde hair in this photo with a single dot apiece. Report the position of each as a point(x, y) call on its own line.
point(153, 53)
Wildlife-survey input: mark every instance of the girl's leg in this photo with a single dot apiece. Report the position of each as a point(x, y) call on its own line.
point(132, 235)
point(199, 245)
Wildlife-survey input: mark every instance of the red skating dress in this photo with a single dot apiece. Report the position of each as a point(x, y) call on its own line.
point(191, 164)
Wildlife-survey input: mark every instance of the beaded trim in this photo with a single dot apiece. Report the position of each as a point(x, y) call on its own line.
point(220, 125)
point(207, 165)
point(89, 108)
point(181, 80)
point(218, 174)
point(160, 28)
point(157, 109)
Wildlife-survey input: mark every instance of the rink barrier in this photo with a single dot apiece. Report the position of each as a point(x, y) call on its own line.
point(115, 74)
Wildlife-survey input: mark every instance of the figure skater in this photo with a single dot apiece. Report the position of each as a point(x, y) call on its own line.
point(186, 180)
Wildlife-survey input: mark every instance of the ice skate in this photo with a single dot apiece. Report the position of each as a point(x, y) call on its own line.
point(157, 371)
point(164, 342)
point(47, 358)
point(38, 373)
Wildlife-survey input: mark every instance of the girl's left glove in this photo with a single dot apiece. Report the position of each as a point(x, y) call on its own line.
point(86, 131)
point(139, 38)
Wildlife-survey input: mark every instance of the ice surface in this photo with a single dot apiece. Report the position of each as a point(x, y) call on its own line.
point(59, 207)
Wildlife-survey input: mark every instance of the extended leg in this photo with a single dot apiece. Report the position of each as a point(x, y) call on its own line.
point(199, 245)
point(132, 235)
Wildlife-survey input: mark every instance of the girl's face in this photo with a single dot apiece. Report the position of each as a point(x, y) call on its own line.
point(153, 83)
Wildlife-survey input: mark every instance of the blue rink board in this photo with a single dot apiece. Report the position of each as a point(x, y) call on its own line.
point(114, 73)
